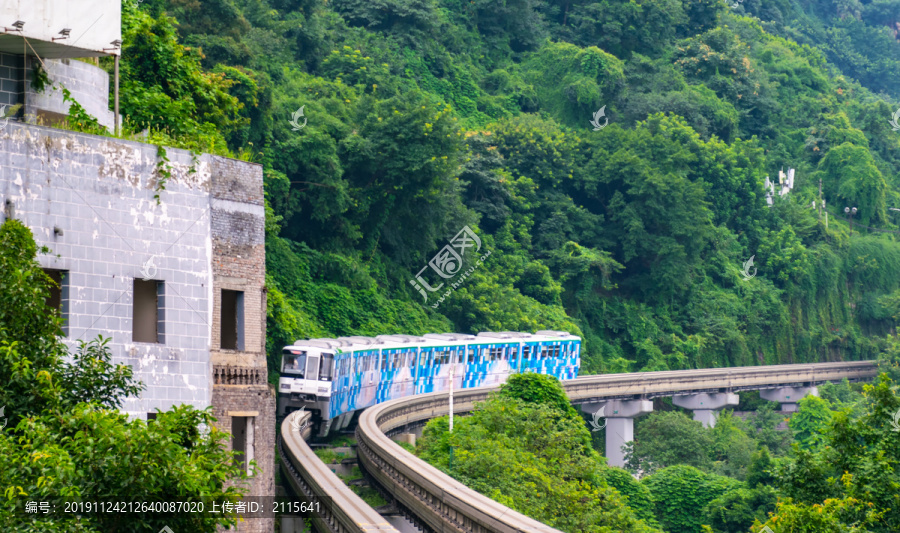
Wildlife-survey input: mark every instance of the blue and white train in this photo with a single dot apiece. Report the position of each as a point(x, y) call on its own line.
point(333, 378)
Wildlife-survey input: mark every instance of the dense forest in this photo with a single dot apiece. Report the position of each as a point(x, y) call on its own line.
point(610, 160)
point(387, 126)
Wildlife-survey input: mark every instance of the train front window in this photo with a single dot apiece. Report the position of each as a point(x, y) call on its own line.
point(294, 363)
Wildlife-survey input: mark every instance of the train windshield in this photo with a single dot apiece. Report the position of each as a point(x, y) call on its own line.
point(294, 362)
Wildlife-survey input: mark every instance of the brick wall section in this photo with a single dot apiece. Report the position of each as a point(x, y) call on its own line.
point(255, 398)
point(238, 263)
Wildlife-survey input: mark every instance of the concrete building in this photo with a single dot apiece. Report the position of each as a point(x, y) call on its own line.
point(176, 282)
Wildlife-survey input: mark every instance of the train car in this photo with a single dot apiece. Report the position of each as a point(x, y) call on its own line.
point(334, 378)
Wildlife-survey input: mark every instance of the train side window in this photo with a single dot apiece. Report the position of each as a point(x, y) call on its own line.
point(558, 350)
point(384, 361)
point(471, 355)
point(526, 352)
point(513, 354)
point(485, 354)
point(326, 367)
point(461, 355)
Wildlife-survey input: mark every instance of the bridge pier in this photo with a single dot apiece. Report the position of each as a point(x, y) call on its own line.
point(705, 406)
point(620, 415)
point(788, 397)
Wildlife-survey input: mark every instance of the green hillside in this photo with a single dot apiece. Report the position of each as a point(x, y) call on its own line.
point(421, 117)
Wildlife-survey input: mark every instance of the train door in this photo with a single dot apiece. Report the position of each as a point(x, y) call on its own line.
point(470, 359)
point(368, 362)
point(516, 360)
point(407, 372)
point(416, 369)
point(312, 367)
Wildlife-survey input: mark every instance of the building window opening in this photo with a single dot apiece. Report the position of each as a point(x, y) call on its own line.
point(58, 300)
point(232, 320)
point(242, 441)
point(148, 313)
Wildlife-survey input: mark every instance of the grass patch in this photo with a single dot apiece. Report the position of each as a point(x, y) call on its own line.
point(329, 456)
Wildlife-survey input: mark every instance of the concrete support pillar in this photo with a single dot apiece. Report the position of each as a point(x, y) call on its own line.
point(409, 438)
point(618, 417)
point(788, 397)
point(292, 524)
point(705, 406)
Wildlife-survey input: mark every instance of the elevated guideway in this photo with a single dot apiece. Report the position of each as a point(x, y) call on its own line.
point(437, 502)
point(340, 509)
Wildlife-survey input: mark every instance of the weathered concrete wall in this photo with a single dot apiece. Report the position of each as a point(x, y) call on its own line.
point(90, 200)
point(99, 193)
point(89, 85)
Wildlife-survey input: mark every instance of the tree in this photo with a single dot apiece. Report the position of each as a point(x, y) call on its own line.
point(760, 470)
point(668, 438)
point(731, 448)
point(811, 421)
point(529, 458)
point(738, 509)
point(165, 89)
point(852, 478)
point(680, 492)
point(852, 173)
point(537, 388)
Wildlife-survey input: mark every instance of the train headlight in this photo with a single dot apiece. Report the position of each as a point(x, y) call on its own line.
point(323, 389)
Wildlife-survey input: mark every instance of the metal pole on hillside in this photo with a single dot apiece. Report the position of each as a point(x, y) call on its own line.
point(850, 212)
point(451, 396)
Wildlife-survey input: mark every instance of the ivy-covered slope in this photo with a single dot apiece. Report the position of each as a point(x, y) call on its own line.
point(424, 116)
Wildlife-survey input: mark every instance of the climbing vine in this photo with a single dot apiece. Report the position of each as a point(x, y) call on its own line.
point(39, 78)
point(163, 171)
point(79, 119)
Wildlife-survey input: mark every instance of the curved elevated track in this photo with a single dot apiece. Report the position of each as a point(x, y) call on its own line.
point(341, 510)
point(437, 502)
